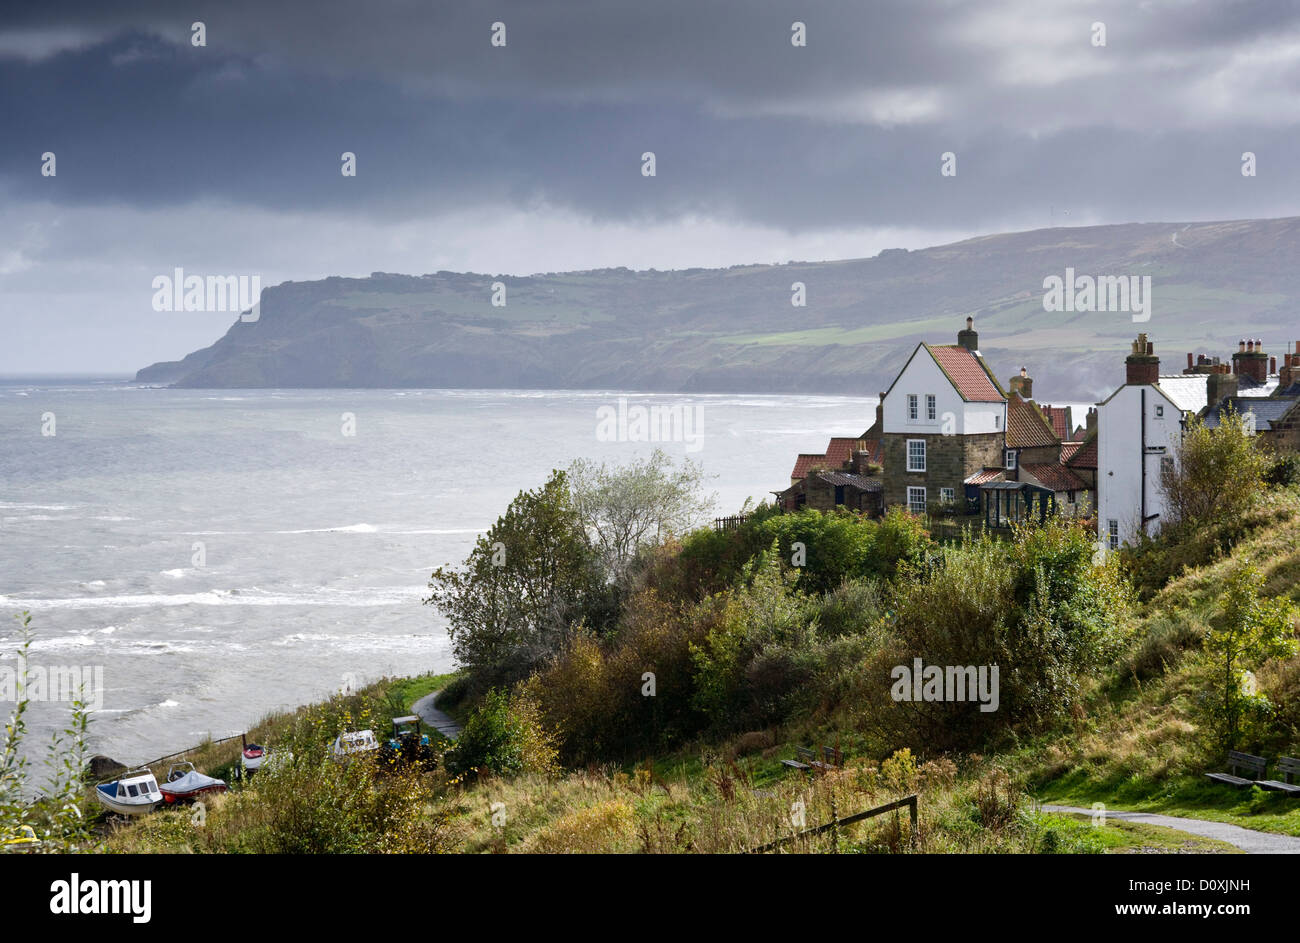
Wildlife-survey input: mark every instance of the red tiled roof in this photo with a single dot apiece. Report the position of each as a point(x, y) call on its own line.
point(966, 372)
point(985, 476)
point(804, 462)
point(1056, 416)
point(839, 451)
point(1085, 456)
point(1068, 449)
point(1027, 428)
point(1056, 477)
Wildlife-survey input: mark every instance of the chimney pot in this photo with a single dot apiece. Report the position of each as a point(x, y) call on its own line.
point(1189, 360)
point(1272, 365)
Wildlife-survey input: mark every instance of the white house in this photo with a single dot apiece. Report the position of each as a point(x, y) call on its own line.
point(942, 420)
point(1139, 429)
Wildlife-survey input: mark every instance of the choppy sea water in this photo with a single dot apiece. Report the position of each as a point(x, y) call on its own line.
point(315, 545)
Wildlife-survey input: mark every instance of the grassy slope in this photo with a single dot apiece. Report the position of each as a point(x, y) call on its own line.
point(1140, 749)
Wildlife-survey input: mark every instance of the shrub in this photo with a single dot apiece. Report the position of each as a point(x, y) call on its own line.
point(493, 740)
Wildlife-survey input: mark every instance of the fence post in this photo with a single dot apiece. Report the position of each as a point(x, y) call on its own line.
point(912, 813)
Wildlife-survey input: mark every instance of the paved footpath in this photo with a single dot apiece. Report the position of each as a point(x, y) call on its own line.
point(438, 720)
point(1248, 840)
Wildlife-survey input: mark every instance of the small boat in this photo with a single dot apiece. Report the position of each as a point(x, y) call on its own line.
point(185, 783)
point(253, 757)
point(134, 794)
point(23, 840)
point(353, 743)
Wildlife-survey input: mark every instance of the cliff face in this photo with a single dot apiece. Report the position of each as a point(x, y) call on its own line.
point(735, 330)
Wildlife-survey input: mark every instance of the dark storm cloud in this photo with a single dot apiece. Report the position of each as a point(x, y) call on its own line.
point(848, 131)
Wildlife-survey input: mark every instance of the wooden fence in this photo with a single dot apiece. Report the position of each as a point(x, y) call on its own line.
point(909, 801)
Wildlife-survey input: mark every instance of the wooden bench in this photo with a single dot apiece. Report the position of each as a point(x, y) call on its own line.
point(807, 759)
point(832, 759)
point(1287, 766)
point(1240, 761)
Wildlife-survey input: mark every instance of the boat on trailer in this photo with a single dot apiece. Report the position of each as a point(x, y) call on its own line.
point(185, 784)
point(134, 794)
point(353, 743)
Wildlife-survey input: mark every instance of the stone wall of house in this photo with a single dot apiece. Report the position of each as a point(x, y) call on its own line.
point(821, 496)
point(950, 459)
point(1050, 454)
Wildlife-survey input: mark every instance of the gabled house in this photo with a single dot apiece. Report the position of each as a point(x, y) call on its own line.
point(1139, 429)
point(942, 420)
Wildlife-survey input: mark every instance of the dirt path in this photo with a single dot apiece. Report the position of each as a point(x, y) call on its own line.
point(1248, 840)
point(438, 720)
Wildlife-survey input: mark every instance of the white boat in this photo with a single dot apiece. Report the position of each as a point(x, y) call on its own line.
point(134, 794)
point(353, 743)
point(184, 783)
point(253, 756)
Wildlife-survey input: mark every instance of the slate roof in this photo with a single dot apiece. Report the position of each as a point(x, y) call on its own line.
point(966, 372)
point(1249, 386)
point(1187, 392)
point(1266, 410)
point(852, 481)
point(1027, 427)
point(1056, 477)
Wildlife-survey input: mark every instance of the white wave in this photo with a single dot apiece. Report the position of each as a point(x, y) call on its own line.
point(349, 529)
point(455, 530)
point(363, 598)
point(173, 574)
point(19, 506)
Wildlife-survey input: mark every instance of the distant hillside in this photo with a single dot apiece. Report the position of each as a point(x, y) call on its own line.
point(735, 330)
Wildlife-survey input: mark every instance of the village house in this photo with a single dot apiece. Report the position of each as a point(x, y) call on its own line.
point(1139, 429)
point(949, 440)
point(943, 421)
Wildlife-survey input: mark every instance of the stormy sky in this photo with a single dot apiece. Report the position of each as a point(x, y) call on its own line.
point(523, 158)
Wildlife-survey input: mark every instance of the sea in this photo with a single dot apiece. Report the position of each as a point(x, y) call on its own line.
point(218, 555)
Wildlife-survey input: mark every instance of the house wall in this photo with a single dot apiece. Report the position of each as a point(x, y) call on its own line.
point(1120, 459)
point(950, 459)
point(921, 376)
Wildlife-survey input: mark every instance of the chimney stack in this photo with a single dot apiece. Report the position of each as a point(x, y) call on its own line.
point(1251, 361)
point(1023, 384)
point(1219, 385)
point(880, 415)
point(1142, 366)
point(1090, 424)
point(969, 338)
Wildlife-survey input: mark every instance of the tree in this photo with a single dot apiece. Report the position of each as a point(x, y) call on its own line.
point(1250, 631)
point(1217, 473)
point(527, 581)
point(626, 509)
